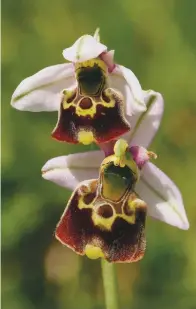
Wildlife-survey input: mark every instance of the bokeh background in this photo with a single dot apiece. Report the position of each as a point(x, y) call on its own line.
point(156, 39)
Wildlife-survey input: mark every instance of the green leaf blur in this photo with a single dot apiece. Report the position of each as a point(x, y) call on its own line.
point(156, 39)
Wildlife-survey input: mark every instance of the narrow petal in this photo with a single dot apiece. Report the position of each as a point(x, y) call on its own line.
point(163, 198)
point(145, 125)
point(117, 81)
point(137, 103)
point(85, 48)
point(42, 91)
point(69, 171)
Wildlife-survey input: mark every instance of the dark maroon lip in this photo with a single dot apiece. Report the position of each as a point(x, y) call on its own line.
point(106, 123)
point(123, 242)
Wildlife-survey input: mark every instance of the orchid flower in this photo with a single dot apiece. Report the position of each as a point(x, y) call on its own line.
point(94, 96)
point(105, 216)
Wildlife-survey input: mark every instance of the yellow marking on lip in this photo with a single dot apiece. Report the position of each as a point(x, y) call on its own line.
point(82, 205)
point(106, 223)
point(93, 252)
point(85, 137)
point(93, 109)
point(91, 63)
point(129, 219)
point(67, 95)
point(86, 112)
point(103, 223)
point(68, 105)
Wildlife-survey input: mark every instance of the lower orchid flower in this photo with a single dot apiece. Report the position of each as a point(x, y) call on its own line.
point(94, 96)
point(105, 216)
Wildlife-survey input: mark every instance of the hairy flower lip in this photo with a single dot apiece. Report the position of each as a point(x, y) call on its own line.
point(81, 226)
point(76, 124)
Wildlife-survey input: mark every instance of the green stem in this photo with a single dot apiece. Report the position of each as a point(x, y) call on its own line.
point(109, 284)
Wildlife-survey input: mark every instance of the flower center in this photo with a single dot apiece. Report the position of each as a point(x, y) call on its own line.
point(120, 178)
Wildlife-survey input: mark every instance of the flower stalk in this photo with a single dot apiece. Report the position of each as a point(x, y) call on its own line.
point(110, 284)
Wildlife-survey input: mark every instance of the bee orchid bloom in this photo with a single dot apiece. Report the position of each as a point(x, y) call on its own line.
point(94, 96)
point(105, 216)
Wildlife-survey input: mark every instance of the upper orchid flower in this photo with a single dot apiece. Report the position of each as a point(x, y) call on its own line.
point(93, 95)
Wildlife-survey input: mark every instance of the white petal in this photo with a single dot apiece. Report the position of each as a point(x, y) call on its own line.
point(85, 48)
point(118, 82)
point(145, 125)
point(162, 197)
point(42, 91)
point(69, 171)
point(136, 104)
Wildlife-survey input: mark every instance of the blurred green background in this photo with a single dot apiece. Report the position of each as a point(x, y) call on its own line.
point(156, 39)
